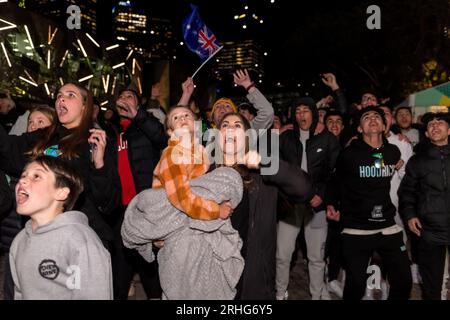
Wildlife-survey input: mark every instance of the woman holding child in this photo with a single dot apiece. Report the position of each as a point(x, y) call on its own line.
point(255, 216)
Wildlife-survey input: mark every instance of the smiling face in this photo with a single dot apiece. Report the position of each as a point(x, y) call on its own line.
point(233, 138)
point(70, 106)
point(438, 131)
point(36, 192)
point(335, 124)
point(37, 120)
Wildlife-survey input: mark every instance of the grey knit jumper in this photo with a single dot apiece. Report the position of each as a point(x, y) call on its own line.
point(199, 259)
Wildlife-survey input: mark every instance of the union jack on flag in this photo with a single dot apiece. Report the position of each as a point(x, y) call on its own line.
point(198, 37)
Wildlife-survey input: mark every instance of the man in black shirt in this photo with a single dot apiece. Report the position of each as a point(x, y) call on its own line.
point(358, 196)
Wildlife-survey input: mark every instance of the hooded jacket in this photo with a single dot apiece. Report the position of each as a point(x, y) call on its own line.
point(361, 185)
point(322, 150)
point(63, 259)
point(424, 192)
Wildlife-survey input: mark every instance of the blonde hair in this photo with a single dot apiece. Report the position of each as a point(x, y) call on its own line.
point(167, 122)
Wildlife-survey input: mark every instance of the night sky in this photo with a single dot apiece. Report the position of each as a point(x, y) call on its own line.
point(306, 38)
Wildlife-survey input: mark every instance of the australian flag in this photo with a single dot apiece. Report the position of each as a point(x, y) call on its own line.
point(198, 37)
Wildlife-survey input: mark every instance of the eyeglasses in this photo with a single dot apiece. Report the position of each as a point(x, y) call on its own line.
point(379, 161)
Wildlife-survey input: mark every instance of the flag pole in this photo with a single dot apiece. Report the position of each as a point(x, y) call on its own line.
point(204, 62)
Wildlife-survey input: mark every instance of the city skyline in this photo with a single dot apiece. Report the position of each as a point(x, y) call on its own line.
point(301, 41)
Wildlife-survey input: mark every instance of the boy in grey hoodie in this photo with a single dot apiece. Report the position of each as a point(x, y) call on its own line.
point(57, 255)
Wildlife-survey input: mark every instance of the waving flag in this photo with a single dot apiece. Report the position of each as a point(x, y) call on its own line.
point(198, 37)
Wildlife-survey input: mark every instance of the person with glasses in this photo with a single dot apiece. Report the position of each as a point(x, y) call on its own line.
point(358, 196)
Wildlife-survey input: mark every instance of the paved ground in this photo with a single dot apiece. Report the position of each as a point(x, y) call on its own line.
point(298, 284)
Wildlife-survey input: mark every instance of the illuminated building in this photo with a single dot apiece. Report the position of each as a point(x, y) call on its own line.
point(245, 54)
point(134, 26)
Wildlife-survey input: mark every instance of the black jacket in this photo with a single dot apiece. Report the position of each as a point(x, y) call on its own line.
point(11, 223)
point(424, 192)
point(322, 151)
point(146, 138)
point(6, 196)
point(258, 277)
point(101, 186)
point(361, 184)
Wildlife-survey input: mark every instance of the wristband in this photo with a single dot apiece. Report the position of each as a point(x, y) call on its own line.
point(250, 86)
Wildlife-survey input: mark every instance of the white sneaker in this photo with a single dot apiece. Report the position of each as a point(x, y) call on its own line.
point(335, 287)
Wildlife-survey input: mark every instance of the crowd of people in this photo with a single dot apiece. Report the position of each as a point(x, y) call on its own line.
point(89, 199)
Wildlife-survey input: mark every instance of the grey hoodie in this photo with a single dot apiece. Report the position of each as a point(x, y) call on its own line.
point(62, 260)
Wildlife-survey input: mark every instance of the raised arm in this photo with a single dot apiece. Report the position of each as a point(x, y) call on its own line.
point(264, 109)
point(104, 181)
point(329, 80)
point(188, 88)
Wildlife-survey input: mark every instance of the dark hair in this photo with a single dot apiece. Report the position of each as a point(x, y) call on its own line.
point(248, 107)
point(403, 108)
point(65, 177)
point(371, 92)
point(361, 112)
point(69, 144)
point(173, 108)
point(242, 169)
point(333, 112)
point(135, 93)
point(430, 116)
